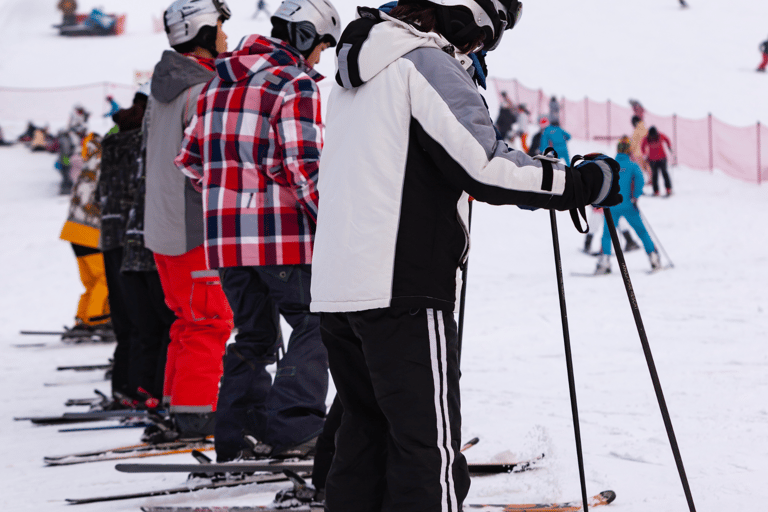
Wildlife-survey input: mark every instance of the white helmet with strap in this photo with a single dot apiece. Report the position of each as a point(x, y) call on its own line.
point(310, 22)
point(459, 20)
point(184, 18)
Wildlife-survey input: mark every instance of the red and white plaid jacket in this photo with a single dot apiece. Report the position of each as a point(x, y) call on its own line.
point(254, 147)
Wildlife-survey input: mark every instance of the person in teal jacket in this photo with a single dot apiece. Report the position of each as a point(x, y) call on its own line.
point(631, 183)
point(557, 138)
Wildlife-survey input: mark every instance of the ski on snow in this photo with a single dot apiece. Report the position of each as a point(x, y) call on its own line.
point(604, 498)
point(129, 452)
point(190, 486)
point(278, 465)
point(77, 417)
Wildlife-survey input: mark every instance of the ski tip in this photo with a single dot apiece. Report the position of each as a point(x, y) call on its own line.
point(607, 497)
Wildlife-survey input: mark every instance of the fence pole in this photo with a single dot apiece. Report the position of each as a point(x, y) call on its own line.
point(674, 136)
point(711, 149)
point(759, 163)
point(586, 115)
point(541, 95)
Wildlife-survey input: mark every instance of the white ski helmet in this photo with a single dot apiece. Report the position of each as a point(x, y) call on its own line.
point(310, 22)
point(493, 17)
point(184, 18)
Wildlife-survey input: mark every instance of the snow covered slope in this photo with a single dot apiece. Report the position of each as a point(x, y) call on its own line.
point(707, 319)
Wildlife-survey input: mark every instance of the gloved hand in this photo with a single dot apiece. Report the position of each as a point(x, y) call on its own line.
point(600, 175)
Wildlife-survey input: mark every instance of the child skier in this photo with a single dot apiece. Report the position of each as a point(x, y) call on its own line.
point(631, 183)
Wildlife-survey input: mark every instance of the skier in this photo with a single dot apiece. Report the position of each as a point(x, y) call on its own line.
point(557, 138)
point(637, 108)
point(639, 133)
point(261, 6)
point(534, 148)
point(140, 318)
point(683, 4)
point(764, 51)
point(263, 247)
point(113, 106)
point(653, 149)
point(521, 127)
point(506, 117)
point(554, 111)
point(631, 183)
point(82, 230)
point(173, 215)
point(391, 237)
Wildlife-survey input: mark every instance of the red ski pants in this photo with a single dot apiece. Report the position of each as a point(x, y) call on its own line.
point(199, 334)
point(762, 65)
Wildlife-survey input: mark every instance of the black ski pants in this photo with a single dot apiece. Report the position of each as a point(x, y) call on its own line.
point(398, 446)
point(656, 167)
point(291, 409)
point(141, 321)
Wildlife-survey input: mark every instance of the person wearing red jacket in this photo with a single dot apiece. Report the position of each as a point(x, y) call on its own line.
point(764, 51)
point(254, 148)
point(653, 148)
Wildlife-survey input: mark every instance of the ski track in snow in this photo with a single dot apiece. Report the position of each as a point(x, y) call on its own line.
point(706, 319)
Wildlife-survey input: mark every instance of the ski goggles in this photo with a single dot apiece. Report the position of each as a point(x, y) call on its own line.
point(223, 9)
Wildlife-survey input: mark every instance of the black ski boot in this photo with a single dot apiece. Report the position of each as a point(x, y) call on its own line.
point(631, 244)
point(302, 493)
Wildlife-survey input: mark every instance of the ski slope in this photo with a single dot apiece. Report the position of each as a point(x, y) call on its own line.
point(706, 319)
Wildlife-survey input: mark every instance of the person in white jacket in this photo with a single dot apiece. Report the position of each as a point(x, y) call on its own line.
point(408, 138)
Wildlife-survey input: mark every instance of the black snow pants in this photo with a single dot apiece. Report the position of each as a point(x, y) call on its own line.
point(141, 321)
point(656, 167)
point(398, 446)
point(291, 409)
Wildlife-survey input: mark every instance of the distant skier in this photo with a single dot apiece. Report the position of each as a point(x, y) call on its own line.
point(683, 4)
point(261, 6)
point(631, 184)
point(554, 111)
point(653, 148)
point(764, 51)
point(520, 128)
point(533, 149)
point(506, 117)
point(557, 138)
point(113, 106)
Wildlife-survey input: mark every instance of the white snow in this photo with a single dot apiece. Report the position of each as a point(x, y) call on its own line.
point(706, 319)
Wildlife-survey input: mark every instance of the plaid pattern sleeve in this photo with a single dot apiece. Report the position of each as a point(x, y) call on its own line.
point(299, 139)
point(189, 160)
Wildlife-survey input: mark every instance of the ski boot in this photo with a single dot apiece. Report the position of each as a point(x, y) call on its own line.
point(655, 261)
point(301, 494)
point(603, 265)
point(631, 244)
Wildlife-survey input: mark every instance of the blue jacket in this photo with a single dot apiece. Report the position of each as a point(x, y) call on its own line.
point(631, 180)
point(556, 137)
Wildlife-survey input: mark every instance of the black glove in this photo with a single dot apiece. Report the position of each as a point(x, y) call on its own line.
point(600, 175)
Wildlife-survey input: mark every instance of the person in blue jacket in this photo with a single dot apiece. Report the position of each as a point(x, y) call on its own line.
point(631, 184)
point(557, 138)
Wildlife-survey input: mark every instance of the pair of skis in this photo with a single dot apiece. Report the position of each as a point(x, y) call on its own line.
point(604, 498)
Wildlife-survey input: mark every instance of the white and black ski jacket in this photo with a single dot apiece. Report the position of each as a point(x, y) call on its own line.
point(408, 137)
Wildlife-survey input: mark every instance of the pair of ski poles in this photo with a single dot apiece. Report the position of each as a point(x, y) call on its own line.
point(569, 359)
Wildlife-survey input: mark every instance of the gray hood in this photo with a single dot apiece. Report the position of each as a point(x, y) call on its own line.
point(176, 73)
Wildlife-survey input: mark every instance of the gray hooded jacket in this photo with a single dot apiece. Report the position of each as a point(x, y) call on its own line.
point(173, 213)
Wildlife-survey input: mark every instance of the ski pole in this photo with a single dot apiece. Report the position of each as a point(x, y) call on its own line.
point(653, 235)
point(463, 294)
point(649, 358)
point(568, 357)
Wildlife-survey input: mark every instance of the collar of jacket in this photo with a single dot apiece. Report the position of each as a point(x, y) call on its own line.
point(373, 41)
point(256, 53)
